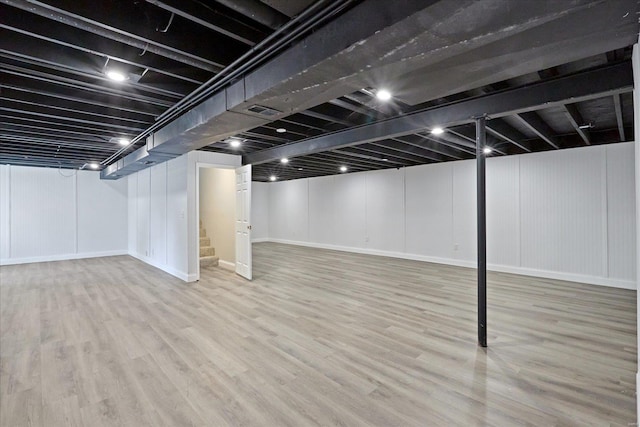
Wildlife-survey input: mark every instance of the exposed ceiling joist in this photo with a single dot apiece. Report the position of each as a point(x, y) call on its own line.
point(605, 81)
point(538, 126)
point(617, 101)
point(574, 116)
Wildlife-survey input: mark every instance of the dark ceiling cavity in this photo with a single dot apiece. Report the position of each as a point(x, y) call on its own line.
point(280, 76)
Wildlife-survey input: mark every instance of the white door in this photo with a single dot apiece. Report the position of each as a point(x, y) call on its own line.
point(243, 221)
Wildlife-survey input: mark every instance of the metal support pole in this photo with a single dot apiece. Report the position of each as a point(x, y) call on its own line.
point(481, 137)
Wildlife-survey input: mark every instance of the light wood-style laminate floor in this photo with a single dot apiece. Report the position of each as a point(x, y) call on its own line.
point(319, 338)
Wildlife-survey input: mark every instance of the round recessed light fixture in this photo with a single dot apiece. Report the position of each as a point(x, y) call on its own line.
point(284, 160)
point(437, 131)
point(383, 95)
point(281, 130)
point(123, 141)
point(93, 165)
point(272, 178)
point(487, 150)
point(116, 76)
point(300, 169)
point(235, 143)
point(385, 160)
point(343, 168)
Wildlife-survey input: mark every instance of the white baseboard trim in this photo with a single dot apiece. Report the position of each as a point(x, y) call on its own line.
point(63, 257)
point(227, 265)
point(167, 269)
point(260, 240)
point(569, 277)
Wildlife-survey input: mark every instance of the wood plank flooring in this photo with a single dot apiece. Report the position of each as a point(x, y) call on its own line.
point(319, 338)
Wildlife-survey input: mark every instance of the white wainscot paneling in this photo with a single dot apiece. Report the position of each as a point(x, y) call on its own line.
point(43, 212)
point(142, 209)
point(621, 211)
point(102, 214)
point(158, 214)
point(350, 210)
point(503, 211)
point(464, 211)
point(322, 210)
point(428, 210)
point(385, 210)
point(563, 211)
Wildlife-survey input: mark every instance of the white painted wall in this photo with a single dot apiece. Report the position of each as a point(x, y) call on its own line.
point(565, 214)
point(259, 211)
point(163, 226)
point(49, 214)
point(218, 211)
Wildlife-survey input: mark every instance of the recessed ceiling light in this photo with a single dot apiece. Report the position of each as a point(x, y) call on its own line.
point(281, 130)
point(343, 168)
point(123, 141)
point(235, 143)
point(93, 165)
point(487, 150)
point(116, 76)
point(272, 178)
point(437, 131)
point(385, 160)
point(284, 160)
point(383, 95)
point(300, 169)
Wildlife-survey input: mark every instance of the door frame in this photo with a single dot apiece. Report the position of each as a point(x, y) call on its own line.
point(197, 197)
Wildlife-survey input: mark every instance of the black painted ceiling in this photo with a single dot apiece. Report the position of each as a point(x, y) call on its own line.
point(58, 108)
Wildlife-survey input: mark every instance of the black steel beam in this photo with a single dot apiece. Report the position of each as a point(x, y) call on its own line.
point(617, 102)
point(576, 120)
point(482, 231)
point(583, 86)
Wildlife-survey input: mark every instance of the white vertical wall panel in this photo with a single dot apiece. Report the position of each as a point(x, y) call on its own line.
point(102, 214)
point(177, 236)
point(350, 210)
point(132, 211)
point(158, 213)
point(464, 211)
point(503, 210)
point(142, 227)
point(385, 210)
point(259, 210)
point(5, 219)
point(562, 225)
point(429, 219)
point(621, 211)
point(43, 212)
point(289, 210)
point(565, 214)
point(322, 210)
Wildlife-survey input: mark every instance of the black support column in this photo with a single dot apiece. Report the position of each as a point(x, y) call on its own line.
point(482, 231)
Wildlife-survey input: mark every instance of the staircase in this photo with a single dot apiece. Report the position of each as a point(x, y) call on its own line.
point(208, 256)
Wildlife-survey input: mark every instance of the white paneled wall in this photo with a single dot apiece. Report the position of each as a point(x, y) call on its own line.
point(163, 230)
point(157, 216)
point(565, 214)
point(259, 211)
point(50, 214)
